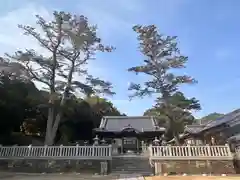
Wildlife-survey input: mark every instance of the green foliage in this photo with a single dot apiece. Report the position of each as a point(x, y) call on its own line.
point(162, 58)
point(71, 42)
point(30, 115)
point(210, 117)
point(177, 114)
point(14, 103)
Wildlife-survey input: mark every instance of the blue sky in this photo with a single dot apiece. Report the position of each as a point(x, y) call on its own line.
point(208, 32)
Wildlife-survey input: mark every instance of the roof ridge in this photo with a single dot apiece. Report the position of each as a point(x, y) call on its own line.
point(127, 117)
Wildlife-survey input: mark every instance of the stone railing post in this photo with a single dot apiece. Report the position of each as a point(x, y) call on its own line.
point(1, 153)
point(209, 150)
point(77, 149)
point(29, 150)
point(209, 155)
point(14, 149)
point(189, 150)
point(229, 153)
point(150, 149)
point(45, 150)
point(110, 149)
point(61, 147)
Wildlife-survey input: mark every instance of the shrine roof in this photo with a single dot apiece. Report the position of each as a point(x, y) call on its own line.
point(231, 119)
point(234, 138)
point(139, 123)
point(194, 129)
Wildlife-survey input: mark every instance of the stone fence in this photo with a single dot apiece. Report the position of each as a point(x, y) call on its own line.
point(98, 159)
point(192, 159)
point(56, 158)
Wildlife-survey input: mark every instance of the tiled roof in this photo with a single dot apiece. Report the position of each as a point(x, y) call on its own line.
point(234, 138)
point(230, 118)
point(235, 115)
point(193, 129)
point(118, 123)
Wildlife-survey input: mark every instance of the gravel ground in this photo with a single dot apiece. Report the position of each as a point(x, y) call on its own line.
point(18, 176)
point(25, 176)
point(193, 178)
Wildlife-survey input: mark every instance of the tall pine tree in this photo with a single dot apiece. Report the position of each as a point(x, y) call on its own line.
point(71, 42)
point(162, 57)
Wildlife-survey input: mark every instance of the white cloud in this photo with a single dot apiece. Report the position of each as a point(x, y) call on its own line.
point(116, 18)
point(109, 23)
point(12, 38)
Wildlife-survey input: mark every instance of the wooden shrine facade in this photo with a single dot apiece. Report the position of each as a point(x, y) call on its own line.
point(129, 133)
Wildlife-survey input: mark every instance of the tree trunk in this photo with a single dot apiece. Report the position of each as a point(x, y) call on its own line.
point(50, 120)
point(176, 137)
point(53, 121)
point(55, 126)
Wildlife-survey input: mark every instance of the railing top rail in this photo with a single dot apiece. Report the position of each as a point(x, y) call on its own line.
point(79, 146)
point(191, 152)
point(197, 146)
point(56, 152)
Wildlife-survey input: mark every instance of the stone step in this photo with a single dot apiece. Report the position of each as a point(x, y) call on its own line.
point(129, 165)
point(124, 163)
point(131, 176)
point(132, 169)
point(118, 173)
point(132, 165)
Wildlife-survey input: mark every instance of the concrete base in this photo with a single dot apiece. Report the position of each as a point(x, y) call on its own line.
point(193, 167)
point(56, 166)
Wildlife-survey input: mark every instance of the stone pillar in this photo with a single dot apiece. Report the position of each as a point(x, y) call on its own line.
point(213, 141)
point(156, 142)
point(85, 143)
point(138, 146)
point(114, 147)
point(103, 142)
point(109, 164)
point(96, 140)
point(163, 141)
point(104, 167)
point(143, 146)
point(122, 146)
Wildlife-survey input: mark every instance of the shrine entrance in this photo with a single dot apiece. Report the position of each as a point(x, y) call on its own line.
point(130, 141)
point(130, 144)
point(129, 134)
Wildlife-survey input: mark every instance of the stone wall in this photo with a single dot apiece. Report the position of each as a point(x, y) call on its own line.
point(194, 167)
point(237, 165)
point(55, 166)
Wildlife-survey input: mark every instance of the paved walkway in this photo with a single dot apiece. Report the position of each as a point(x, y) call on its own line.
point(193, 178)
point(25, 176)
point(130, 177)
point(18, 176)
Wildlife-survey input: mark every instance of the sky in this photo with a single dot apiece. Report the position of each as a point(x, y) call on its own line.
point(208, 33)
